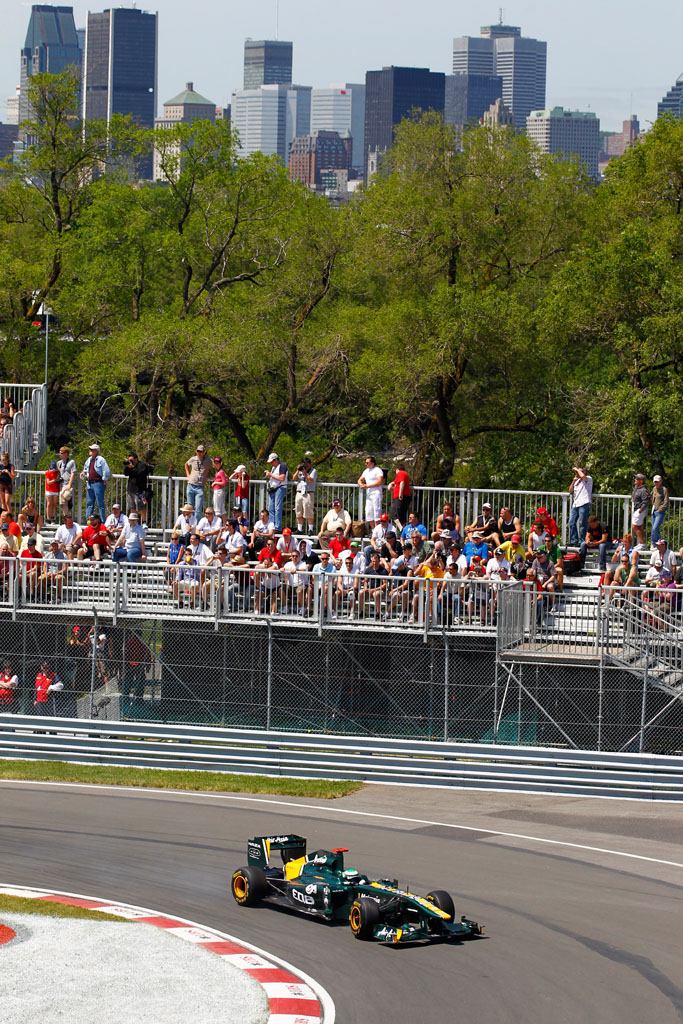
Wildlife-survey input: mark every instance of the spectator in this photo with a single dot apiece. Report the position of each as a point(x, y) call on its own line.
point(52, 484)
point(233, 539)
point(336, 516)
point(518, 567)
point(555, 555)
point(96, 472)
point(308, 555)
point(31, 559)
point(624, 576)
point(175, 553)
point(138, 484)
point(347, 585)
point(447, 520)
point(7, 539)
point(401, 495)
point(508, 525)
point(476, 547)
point(624, 547)
point(370, 481)
point(271, 551)
point(30, 532)
point(137, 658)
point(379, 532)
point(664, 552)
point(476, 593)
point(296, 584)
point(48, 684)
point(654, 573)
point(8, 408)
point(131, 542)
point(640, 499)
point(197, 470)
point(359, 560)
point(339, 543)
point(457, 559)
point(264, 527)
point(30, 514)
point(304, 502)
point(209, 528)
point(286, 544)
point(219, 485)
point(535, 539)
point(660, 504)
point(597, 536)
point(422, 549)
point(374, 584)
point(9, 683)
point(7, 478)
point(13, 532)
point(431, 569)
point(188, 578)
point(277, 477)
point(581, 491)
point(53, 568)
point(67, 477)
point(266, 586)
point(241, 478)
point(199, 552)
point(67, 532)
point(325, 589)
point(415, 524)
point(186, 523)
point(242, 521)
point(497, 564)
point(93, 540)
point(549, 524)
point(546, 574)
point(7, 564)
point(390, 550)
point(214, 577)
point(486, 525)
point(513, 547)
point(115, 522)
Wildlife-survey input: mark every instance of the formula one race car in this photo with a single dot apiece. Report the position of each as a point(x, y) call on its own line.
point(318, 884)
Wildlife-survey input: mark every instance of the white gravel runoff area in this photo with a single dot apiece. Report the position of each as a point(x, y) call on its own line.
point(84, 972)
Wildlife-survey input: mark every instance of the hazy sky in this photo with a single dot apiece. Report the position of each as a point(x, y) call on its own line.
point(614, 59)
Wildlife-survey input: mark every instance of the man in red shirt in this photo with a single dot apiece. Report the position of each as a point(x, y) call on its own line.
point(549, 523)
point(47, 684)
point(338, 544)
point(32, 558)
point(401, 495)
point(271, 551)
point(8, 685)
point(93, 541)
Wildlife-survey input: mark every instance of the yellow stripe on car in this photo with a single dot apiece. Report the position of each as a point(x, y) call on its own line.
point(411, 896)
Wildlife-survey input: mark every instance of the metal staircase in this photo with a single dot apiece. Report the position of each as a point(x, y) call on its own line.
point(25, 437)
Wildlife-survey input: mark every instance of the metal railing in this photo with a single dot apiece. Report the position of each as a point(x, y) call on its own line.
point(25, 437)
point(293, 755)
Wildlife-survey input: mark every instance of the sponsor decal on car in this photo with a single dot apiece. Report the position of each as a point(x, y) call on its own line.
point(297, 894)
point(420, 900)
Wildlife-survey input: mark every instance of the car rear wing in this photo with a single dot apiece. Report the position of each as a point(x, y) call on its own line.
point(259, 849)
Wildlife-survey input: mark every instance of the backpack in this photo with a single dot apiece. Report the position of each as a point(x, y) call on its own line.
point(571, 563)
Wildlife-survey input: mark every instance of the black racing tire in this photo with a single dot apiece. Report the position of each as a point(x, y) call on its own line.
point(364, 915)
point(443, 900)
point(249, 886)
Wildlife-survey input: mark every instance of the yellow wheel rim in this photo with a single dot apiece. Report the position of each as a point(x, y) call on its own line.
point(239, 885)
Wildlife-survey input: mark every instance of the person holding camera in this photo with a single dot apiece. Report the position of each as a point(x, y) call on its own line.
point(276, 485)
point(306, 479)
point(136, 488)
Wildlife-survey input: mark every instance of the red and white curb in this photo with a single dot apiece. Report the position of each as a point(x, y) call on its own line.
point(294, 997)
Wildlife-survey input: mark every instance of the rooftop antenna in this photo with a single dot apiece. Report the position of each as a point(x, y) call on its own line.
point(500, 15)
point(277, 19)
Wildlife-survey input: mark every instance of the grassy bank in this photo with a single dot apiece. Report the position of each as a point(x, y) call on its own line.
point(203, 782)
point(19, 905)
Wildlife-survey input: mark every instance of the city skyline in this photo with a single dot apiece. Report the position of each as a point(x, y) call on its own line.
point(611, 65)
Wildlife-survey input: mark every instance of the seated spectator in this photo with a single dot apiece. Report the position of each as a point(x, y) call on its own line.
point(242, 521)
point(30, 514)
point(7, 477)
point(308, 555)
point(513, 547)
point(476, 548)
point(53, 568)
point(433, 568)
point(447, 520)
point(475, 595)
point(379, 532)
point(31, 558)
point(296, 585)
point(264, 527)
point(176, 551)
point(390, 550)
point(374, 584)
point(597, 536)
point(339, 543)
point(266, 586)
point(360, 562)
point(624, 547)
point(486, 525)
point(187, 582)
point(347, 585)
point(7, 562)
point(209, 528)
point(8, 408)
point(496, 564)
point(271, 551)
point(7, 534)
point(213, 577)
point(130, 545)
point(93, 540)
point(52, 487)
point(234, 540)
point(504, 580)
point(555, 555)
point(422, 549)
point(457, 560)
point(508, 525)
point(31, 532)
point(414, 524)
point(518, 567)
point(546, 574)
point(549, 523)
point(654, 574)
point(536, 539)
point(663, 551)
point(186, 522)
point(115, 522)
point(336, 516)
point(237, 593)
point(68, 531)
point(198, 551)
point(624, 576)
point(321, 581)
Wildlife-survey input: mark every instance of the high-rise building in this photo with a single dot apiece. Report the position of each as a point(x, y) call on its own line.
point(390, 95)
point(13, 108)
point(672, 103)
point(268, 118)
point(51, 45)
point(310, 155)
point(186, 107)
point(520, 62)
point(498, 114)
point(267, 62)
point(341, 108)
point(569, 133)
point(468, 96)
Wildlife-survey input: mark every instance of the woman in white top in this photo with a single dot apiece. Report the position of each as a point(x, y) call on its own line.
point(370, 481)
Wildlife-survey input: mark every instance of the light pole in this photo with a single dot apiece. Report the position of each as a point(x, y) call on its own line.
point(47, 336)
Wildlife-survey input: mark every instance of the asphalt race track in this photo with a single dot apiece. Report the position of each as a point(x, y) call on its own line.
point(574, 934)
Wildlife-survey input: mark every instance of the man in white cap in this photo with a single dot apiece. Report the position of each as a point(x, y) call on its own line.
point(276, 486)
point(115, 522)
point(660, 504)
point(131, 543)
point(96, 472)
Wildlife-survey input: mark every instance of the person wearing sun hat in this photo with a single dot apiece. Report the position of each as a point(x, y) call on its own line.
point(96, 473)
point(276, 475)
point(185, 523)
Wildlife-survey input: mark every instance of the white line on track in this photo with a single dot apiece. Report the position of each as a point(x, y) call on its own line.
point(140, 790)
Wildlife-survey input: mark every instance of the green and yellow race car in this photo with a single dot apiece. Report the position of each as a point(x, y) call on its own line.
point(318, 884)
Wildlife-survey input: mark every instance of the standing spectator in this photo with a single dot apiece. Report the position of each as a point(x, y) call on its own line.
point(196, 471)
point(137, 659)
point(401, 494)
point(138, 482)
point(660, 505)
point(277, 486)
point(131, 543)
point(337, 516)
point(218, 485)
point(241, 478)
point(597, 535)
point(370, 481)
point(581, 491)
point(96, 472)
point(640, 499)
point(9, 683)
point(30, 514)
point(47, 684)
point(52, 481)
point(7, 477)
point(67, 476)
point(306, 480)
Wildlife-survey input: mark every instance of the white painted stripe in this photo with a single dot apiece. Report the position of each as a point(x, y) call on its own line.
point(287, 990)
point(196, 935)
point(27, 894)
point(246, 961)
point(118, 911)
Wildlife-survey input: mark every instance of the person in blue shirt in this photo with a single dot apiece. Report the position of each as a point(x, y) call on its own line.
point(476, 546)
point(412, 525)
point(96, 472)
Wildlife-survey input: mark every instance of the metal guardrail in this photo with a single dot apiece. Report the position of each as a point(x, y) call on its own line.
point(25, 437)
point(372, 760)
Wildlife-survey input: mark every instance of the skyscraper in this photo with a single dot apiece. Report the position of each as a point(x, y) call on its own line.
point(468, 96)
point(186, 107)
point(267, 119)
point(567, 133)
point(120, 68)
point(390, 94)
point(341, 108)
point(51, 45)
point(672, 103)
point(520, 62)
point(267, 62)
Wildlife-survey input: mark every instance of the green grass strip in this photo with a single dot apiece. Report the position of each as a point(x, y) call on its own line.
point(152, 778)
point(21, 905)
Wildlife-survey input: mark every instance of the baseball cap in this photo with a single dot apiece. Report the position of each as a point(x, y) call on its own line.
point(542, 511)
point(355, 543)
point(336, 501)
point(133, 515)
point(94, 447)
point(516, 538)
point(658, 563)
point(273, 457)
point(445, 535)
point(286, 532)
point(384, 517)
point(657, 479)
point(519, 558)
point(53, 465)
point(499, 551)
point(542, 550)
point(241, 468)
point(487, 504)
point(116, 504)
point(201, 448)
point(660, 541)
point(476, 558)
point(477, 535)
